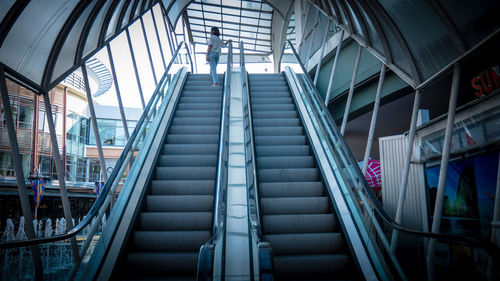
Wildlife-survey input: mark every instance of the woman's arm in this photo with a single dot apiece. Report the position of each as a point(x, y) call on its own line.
point(227, 42)
point(208, 52)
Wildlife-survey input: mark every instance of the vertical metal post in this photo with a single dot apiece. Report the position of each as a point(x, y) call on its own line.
point(159, 41)
point(167, 30)
point(94, 123)
point(337, 54)
point(373, 121)
point(406, 169)
point(135, 68)
point(149, 50)
point(18, 167)
point(322, 52)
point(34, 141)
point(496, 210)
point(65, 93)
point(438, 207)
point(60, 174)
point(118, 95)
point(194, 58)
point(351, 91)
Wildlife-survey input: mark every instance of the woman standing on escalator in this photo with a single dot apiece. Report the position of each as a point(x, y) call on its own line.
point(213, 53)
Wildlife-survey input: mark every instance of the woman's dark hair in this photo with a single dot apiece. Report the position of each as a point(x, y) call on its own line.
point(215, 30)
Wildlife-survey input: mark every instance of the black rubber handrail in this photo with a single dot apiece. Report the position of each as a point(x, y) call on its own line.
point(94, 210)
point(486, 245)
point(221, 181)
point(260, 236)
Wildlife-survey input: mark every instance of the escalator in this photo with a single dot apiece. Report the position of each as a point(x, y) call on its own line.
point(177, 210)
point(298, 218)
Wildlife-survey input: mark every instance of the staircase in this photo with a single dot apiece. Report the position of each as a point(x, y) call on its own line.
point(176, 217)
point(298, 218)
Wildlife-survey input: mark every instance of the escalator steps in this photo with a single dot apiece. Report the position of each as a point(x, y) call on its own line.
point(297, 216)
point(176, 218)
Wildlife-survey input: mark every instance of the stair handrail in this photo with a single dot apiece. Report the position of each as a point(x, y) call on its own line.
point(254, 217)
point(221, 179)
point(486, 245)
point(132, 141)
point(256, 222)
point(206, 253)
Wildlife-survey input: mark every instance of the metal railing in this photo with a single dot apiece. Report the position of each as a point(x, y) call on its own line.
point(104, 203)
point(364, 200)
point(263, 246)
point(207, 250)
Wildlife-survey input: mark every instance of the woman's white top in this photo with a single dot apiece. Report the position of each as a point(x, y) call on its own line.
point(216, 43)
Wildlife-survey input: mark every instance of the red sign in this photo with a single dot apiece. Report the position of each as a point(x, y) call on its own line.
point(486, 81)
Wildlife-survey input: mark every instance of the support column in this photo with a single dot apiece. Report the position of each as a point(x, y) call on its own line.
point(351, 91)
point(21, 185)
point(34, 141)
point(135, 68)
point(438, 207)
point(159, 41)
point(406, 169)
point(334, 67)
point(373, 121)
point(94, 123)
point(322, 52)
point(118, 95)
point(149, 51)
point(60, 174)
point(65, 93)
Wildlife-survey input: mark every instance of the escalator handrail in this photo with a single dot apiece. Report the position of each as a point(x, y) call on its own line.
point(221, 181)
point(487, 245)
point(94, 210)
point(259, 236)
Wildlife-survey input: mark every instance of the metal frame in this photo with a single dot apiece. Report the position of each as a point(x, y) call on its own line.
point(134, 63)
point(158, 38)
point(149, 51)
point(406, 169)
point(94, 210)
point(10, 18)
point(21, 185)
point(118, 94)
point(334, 67)
point(107, 19)
point(93, 119)
point(351, 91)
point(438, 208)
point(373, 121)
point(60, 40)
point(60, 174)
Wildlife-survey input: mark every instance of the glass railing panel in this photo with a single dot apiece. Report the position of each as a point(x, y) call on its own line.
point(58, 260)
point(345, 169)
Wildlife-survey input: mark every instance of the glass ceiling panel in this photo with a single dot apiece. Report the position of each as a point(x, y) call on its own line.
point(247, 20)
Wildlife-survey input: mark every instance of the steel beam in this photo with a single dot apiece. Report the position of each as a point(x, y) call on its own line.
point(93, 119)
point(321, 53)
point(118, 95)
point(406, 170)
point(18, 167)
point(148, 50)
point(10, 18)
point(60, 174)
point(438, 207)
point(351, 90)
point(373, 121)
point(135, 68)
point(159, 41)
point(334, 67)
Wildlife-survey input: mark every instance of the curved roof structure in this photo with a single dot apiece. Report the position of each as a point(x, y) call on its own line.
point(417, 39)
point(41, 42)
